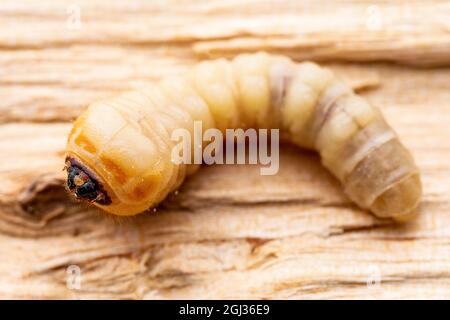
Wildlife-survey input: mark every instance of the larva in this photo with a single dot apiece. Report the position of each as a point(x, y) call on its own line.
point(119, 150)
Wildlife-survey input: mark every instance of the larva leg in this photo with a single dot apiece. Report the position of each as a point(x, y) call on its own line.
point(119, 151)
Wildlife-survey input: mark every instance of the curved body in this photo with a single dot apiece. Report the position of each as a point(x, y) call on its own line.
point(119, 150)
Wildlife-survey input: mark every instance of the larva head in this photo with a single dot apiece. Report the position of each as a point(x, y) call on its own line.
point(112, 162)
point(82, 184)
point(86, 184)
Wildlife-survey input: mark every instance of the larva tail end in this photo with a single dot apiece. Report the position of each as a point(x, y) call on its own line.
point(400, 201)
point(83, 185)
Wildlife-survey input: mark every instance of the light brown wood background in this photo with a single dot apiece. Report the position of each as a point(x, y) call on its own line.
point(228, 232)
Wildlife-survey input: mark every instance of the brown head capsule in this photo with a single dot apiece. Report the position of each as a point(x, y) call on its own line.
point(83, 185)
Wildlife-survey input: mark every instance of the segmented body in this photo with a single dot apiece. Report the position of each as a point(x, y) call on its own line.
point(123, 144)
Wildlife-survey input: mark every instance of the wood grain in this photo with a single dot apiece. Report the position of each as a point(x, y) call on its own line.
point(228, 232)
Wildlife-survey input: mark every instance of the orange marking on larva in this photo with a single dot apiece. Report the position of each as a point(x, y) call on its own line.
point(143, 188)
point(118, 173)
point(83, 142)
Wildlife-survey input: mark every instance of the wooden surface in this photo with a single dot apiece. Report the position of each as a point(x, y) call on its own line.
point(228, 232)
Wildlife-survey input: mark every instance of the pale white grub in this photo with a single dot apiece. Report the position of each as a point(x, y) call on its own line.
point(121, 149)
